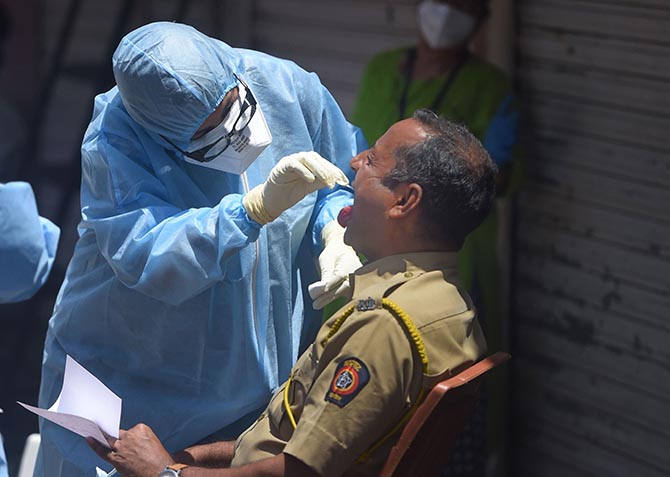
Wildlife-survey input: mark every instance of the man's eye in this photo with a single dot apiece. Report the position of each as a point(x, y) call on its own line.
point(368, 160)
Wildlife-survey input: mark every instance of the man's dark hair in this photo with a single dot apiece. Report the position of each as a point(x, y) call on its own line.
point(455, 172)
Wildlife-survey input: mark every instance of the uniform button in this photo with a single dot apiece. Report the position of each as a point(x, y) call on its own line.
point(408, 274)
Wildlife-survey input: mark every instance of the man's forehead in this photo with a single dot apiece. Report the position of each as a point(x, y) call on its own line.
point(403, 133)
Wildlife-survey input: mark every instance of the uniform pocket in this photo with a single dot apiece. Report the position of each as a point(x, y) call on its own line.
point(280, 423)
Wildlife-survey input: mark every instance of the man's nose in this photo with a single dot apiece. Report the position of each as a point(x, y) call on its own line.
point(355, 161)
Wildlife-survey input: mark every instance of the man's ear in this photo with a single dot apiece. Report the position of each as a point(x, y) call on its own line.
point(408, 198)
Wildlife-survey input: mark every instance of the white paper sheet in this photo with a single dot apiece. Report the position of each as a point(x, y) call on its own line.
point(85, 406)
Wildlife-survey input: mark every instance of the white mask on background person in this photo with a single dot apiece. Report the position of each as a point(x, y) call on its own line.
point(243, 147)
point(442, 25)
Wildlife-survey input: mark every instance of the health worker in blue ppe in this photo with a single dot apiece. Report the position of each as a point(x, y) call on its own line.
point(28, 243)
point(28, 246)
point(202, 225)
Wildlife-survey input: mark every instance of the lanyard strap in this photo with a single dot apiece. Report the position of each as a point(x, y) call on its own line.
point(409, 70)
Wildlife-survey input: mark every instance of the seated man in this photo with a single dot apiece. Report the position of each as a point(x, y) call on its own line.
point(419, 191)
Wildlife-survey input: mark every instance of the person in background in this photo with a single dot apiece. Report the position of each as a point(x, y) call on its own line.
point(28, 246)
point(441, 73)
point(373, 361)
point(28, 243)
point(201, 224)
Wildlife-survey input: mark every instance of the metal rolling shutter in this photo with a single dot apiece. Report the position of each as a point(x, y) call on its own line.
point(592, 299)
point(334, 38)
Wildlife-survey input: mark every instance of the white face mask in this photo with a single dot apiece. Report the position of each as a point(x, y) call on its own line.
point(234, 153)
point(442, 25)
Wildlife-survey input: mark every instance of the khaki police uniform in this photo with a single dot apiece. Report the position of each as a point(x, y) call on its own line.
point(348, 392)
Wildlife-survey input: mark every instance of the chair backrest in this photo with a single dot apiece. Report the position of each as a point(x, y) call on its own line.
point(423, 446)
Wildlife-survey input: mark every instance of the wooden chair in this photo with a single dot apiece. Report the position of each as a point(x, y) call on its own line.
point(423, 447)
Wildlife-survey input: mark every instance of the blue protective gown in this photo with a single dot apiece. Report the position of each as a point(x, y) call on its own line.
point(3, 460)
point(187, 309)
point(28, 243)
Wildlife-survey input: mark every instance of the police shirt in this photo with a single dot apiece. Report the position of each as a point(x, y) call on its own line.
point(347, 392)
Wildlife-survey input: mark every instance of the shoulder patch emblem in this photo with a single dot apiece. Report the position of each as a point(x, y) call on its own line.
point(367, 304)
point(350, 377)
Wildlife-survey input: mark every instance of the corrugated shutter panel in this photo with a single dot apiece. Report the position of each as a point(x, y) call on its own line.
point(592, 299)
point(334, 38)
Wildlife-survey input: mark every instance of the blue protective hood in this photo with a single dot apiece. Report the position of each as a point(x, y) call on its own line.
point(171, 77)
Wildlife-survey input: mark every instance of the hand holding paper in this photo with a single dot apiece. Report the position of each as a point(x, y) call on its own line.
point(85, 406)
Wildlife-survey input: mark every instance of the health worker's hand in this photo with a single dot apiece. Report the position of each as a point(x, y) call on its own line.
point(336, 261)
point(290, 180)
point(136, 453)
